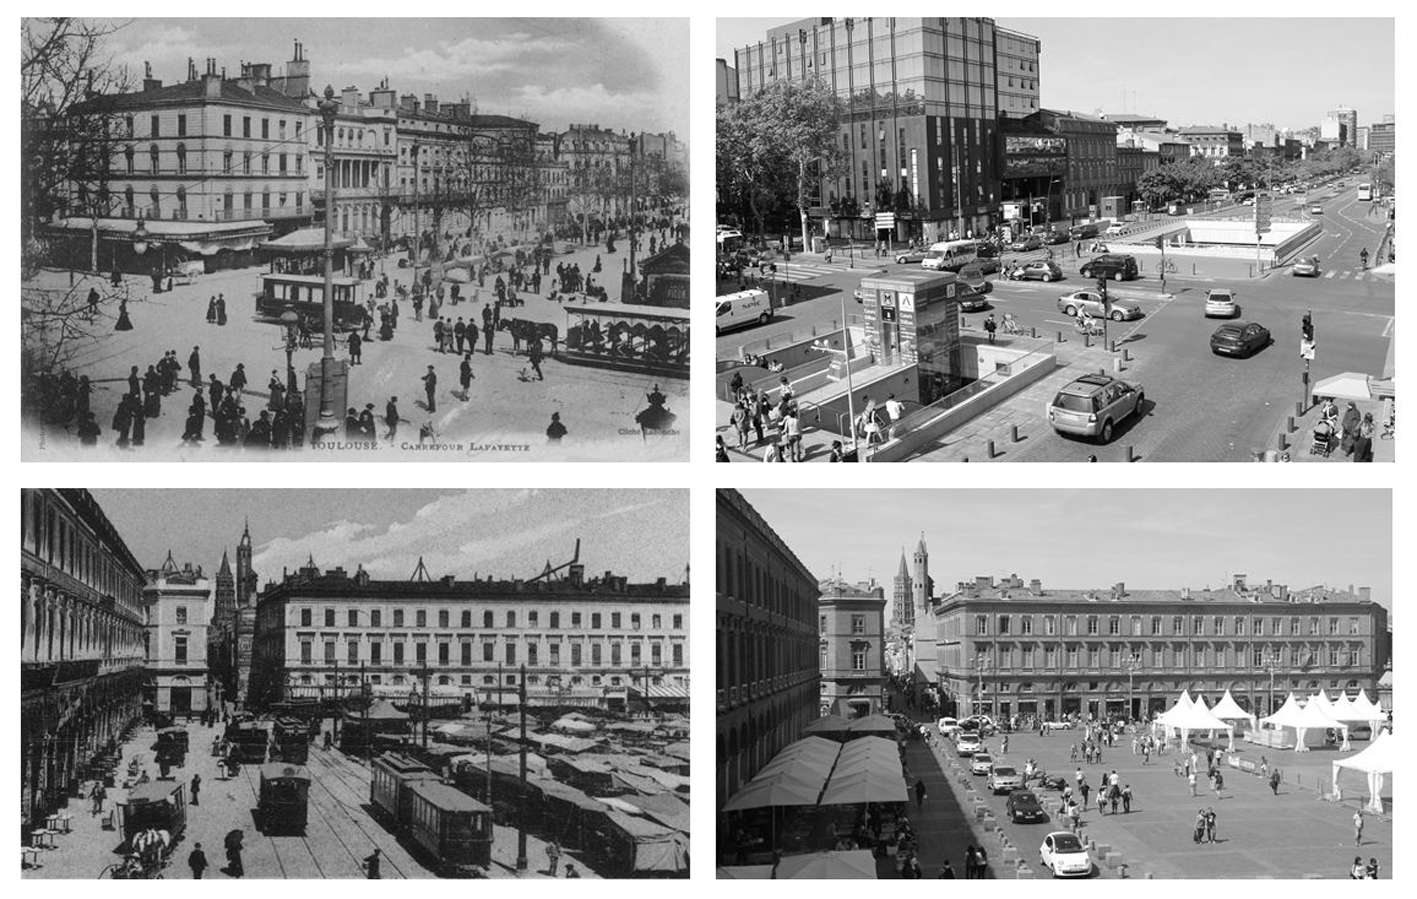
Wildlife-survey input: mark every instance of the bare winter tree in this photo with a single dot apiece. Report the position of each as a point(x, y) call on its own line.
point(66, 134)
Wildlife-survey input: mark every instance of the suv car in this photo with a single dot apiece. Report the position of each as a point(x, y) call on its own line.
point(1004, 778)
point(1220, 303)
point(967, 743)
point(1110, 265)
point(1092, 406)
point(1081, 232)
point(1026, 242)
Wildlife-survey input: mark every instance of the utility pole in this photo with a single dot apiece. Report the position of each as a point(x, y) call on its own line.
point(424, 674)
point(521, 826)
point(364, 711)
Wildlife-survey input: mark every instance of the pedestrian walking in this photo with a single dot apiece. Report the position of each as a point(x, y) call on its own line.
point(371, 865)
point(990, 326)
point(1217, 783)
point(1210, 825)
point(196, 788)
point(947, 871)
point(969, 862)
point(99, 796)
point(1359, 871)
point(194, 367)
point(1358, 827)
point(533, 354)
point(430, 389)
point(1373, 869)
point(553, 856)
point(356, 348)
point(1004, 745)
point(1101, 802)
point(981, 865)
point(1199, 832)
point(1084, 788)
point(1127, 799)
point(919, 793)
point(197, 860)
point(1274, 781)
point(1191, 778)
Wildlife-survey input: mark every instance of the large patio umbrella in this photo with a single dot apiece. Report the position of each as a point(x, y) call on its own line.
point(770, 794)
point(827, 724)
point(1348, 385)
point(850, 864)
point(872, 724)
point(865, 786)
point(744, 872)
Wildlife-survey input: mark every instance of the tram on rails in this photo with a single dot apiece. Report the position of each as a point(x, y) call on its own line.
point(282, 804)
point(305, 296)
point(248, 741)
point(652, 340)
point(290, 741)
point(451, 827)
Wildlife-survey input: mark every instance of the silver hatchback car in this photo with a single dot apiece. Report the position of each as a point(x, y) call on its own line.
point(1091, 302)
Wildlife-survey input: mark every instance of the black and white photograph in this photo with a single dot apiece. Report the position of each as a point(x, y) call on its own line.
point(386, 239)
point(341, 684)
point(1125, 683)
point(967, 239)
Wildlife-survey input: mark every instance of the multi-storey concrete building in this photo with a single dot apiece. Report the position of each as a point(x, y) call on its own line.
point(1007, 648)
point(81, 642)
point(365, 150)
point(1167, 146)
point(1017, 56)
point(725, 82)
point(1340, 126)
point(177, 607)
point(1214, 143)
point(851, 648)
point(1382, 137)
point(1092, 160)
point(553, 176)
point(766, 635)
point(920, 127)
point(582, 641)
point(597, 160)
point(210, 164)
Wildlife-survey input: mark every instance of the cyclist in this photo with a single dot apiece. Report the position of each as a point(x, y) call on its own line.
point(1363, 257)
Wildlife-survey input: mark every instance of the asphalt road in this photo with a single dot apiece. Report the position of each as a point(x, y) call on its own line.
point(1200, 407)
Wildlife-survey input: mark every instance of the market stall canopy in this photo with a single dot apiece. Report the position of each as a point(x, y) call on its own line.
point(1364, 707)
point(1185, 718)
point(1376, 762)
point(1349, 385)
point(827, 724)
point(1286, 716)
point(382, 710)
point(1228, 709)
point(851, 864)
point(359, 246)
point(306, 240)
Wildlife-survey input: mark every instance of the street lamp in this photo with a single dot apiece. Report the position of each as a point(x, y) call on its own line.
point(291, 321)
point(1133, 665)
point(1271, 664)
point(981, 663)
point(327, 424)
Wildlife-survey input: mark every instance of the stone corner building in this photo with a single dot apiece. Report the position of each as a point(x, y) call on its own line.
point(82, 646)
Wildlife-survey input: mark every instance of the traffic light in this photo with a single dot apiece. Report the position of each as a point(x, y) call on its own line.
point(1306, 328)
point(1160, 242)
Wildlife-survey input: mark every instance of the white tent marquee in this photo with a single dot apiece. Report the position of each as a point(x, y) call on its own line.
point(1366, 711)
point(1316, 716)
point(1186, 716)
point(1227, 709)
point(1376, 762)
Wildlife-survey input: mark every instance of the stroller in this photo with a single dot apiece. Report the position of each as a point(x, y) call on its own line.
point(1325, 439)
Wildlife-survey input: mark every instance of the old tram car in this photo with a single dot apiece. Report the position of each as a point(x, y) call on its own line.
point(284, 798)
point(452, 827)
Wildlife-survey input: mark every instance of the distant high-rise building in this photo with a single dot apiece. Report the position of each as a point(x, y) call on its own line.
point(725, 80)
point(1340, 125)
point(1382, 138)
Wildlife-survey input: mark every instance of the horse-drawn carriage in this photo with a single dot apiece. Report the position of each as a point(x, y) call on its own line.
point(153, 815)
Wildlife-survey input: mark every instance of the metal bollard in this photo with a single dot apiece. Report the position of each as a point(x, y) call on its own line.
point(1131, 456)
point(1013, 433)
point(1060, 337)
point(1087, 340)
point(989, 451)
point(1033, 332)
point(1299, 409)
point(1126, 354)
point(1283, 443)
point(1291, 424)
point(1117, 364)
point(1111, 346)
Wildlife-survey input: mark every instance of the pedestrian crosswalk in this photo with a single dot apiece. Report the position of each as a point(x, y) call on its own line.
point(799, 272)
point(1351, 275)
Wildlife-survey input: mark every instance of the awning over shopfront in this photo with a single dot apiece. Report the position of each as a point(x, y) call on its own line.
point(196, 237)
point(306, 240)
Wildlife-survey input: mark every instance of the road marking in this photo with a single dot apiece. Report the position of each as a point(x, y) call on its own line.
point(1330, 274)
point(1387, 331)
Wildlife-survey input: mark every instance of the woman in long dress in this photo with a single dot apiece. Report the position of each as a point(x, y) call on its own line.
point(124, 322)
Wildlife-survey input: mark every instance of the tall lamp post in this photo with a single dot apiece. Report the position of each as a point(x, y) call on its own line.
point(1133, 665)
point(1271, 664)
point(291, 321)
point(327, 423)
point(981, 662)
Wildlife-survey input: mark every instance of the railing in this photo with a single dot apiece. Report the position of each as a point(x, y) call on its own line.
point(797, 336)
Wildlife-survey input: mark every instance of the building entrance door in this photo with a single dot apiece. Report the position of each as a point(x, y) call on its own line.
point(181, 700)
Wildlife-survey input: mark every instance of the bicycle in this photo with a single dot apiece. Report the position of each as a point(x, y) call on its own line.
point(1010, 325)
point(1168, 267)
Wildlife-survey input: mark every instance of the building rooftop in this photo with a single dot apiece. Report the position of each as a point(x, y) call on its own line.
point(195, 91)
point(1014, 589)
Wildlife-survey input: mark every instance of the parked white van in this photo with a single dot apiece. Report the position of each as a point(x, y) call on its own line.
point(951, 255)
point(746, 307)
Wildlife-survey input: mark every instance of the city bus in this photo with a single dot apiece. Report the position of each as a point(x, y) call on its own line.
point(1365, 191)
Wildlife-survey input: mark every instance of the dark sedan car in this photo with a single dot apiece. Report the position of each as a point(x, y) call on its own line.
point(1026, 243)
point(1023, 807)
point(1239, 339)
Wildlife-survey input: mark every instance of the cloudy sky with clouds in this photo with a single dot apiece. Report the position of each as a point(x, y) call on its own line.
point(642, 534)
point(619, 73)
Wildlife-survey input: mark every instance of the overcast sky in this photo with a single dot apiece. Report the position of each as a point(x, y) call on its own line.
point(1203, 71)
point(1080, 539)
point(619, 73)
point(642, 534)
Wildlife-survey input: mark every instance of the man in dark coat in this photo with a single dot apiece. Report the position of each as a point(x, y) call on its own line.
point(197, 860)
point(237, 381)
point(214, 392)
point(356, 348)
point(534, 357)
point(391, 416)
point(465, 374)
point(366, 423)
point(460, 334)
point(430, 388)
point(194, 367)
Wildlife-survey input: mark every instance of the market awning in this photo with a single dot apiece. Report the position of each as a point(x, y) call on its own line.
point(306, 240)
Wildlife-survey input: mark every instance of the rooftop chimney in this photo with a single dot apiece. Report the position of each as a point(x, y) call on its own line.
point(297, 74)
point(349, 97)
point(1119, 590)
point(149, 82)
point(983, 582)
point(576, 574)
point(408, 102)
point(1185, 592)
point(448, 580)
point(261, 73)
point(1365, 594)
point(430, 104)
point(1239, 583)
point(1035, 587)
point(191, 69)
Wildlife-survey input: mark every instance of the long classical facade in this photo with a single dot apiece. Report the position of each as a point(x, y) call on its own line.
point(766, 633)
point(329, 633)
point(81, 641)
point(1008, 648)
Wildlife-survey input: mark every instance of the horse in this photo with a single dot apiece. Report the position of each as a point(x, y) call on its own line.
point(525, 331)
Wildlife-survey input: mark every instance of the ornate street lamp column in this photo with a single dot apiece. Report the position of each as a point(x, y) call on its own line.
point(327, 423)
